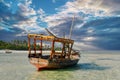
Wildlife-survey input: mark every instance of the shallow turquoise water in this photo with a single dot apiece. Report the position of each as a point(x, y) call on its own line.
point(92, 66)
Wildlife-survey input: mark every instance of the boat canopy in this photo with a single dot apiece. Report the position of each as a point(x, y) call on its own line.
point(50, 38)
point(66, 48)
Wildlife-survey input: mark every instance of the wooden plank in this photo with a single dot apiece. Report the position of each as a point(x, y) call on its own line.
point(29, 48)
point(34, 45)
point(50, 38)
point(41, 47)
point(52, 50)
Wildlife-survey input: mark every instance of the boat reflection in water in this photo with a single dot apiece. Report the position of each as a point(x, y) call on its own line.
point(55, 59)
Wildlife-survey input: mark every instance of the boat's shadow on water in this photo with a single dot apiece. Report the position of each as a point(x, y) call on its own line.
point(82, 66)
point(90, 66)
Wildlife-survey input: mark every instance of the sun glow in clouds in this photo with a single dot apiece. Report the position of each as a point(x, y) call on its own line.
point(89, 38)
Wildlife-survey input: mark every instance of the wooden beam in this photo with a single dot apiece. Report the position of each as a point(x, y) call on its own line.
point(70, 50)
point(29, 48)
point(50, 38)
point(52, 50)
point(41, 47)
point(63, 50)
point(34, 45)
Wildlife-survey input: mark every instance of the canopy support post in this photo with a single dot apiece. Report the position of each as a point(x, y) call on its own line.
point(41, 47)
point(35, 45)
point(63, 51)
point(29, 48)
point(52, 50)
point(70, 49)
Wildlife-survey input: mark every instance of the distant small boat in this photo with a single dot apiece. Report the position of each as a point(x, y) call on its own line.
point(8, 51)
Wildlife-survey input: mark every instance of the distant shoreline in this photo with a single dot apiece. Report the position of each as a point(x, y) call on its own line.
point(81, 51)
point(23, 51)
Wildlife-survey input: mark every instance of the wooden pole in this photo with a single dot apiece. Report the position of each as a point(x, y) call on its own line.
point(35, 45)
point(71, 27)
point(63, 50)
point(41, 47)
point(29, 48)
point(52, 50)
point(70, 50)
point(68, 46)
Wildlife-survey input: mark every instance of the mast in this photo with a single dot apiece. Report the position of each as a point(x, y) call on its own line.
point(71, 27)
point(50, 33)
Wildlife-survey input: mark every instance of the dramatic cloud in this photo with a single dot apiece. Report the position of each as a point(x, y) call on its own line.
point(8, 36)
point(84, 9)
point(96, 22)
point(25, 18)
point(102, 33)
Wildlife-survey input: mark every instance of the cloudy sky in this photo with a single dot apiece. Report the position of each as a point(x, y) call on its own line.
point(96, 23)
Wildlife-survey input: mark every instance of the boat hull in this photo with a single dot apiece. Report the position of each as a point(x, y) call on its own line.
point(52, 64)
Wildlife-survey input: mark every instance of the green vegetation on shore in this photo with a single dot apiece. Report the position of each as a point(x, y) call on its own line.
point(21, 45)
point(14, 45)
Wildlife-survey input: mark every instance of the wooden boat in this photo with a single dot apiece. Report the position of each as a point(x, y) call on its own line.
point(54, 59)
